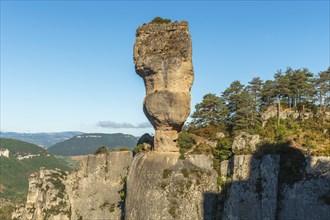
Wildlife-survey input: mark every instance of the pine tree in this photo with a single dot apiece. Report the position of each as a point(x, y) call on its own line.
point(231, 94)
point(246, 118)
point(210, 112)
point(322, 84)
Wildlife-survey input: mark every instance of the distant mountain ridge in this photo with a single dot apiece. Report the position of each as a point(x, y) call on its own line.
point(44, 140)
point(87, 143)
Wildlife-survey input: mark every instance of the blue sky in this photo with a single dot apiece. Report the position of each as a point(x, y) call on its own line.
point(67, 65)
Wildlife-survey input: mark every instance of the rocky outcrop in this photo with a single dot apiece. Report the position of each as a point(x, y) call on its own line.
point(308, 198)
point(253, 192)
point(256, 190)
point(244, 143)
point(147, 141)
point(102, 178)
point(47, 197)
point(271, 112)
point(91, 192)
point(160, 186)
point(163, 58)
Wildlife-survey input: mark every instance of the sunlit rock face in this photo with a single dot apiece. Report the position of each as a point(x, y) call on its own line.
point(163, 58)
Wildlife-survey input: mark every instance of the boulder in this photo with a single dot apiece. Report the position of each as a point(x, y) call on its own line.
point(245, 143)
point(147, 141)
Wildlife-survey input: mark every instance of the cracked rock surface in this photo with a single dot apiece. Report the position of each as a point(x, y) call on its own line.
point(163, 58)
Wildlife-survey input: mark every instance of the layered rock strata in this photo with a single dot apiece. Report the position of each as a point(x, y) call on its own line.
point(160, 186)
point(163, 58)
point(94, 191)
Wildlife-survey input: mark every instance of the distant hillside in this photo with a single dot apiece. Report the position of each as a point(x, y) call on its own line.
point(41, 139)
point(87, 143)
point(14, 173)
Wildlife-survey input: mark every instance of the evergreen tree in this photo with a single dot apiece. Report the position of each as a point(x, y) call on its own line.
point(322, 84)
point(267, 94)
point(210, 112)
point(246, 118)
point(301, 85)
point(231, 94)
point(280, 90)
point(255, 88)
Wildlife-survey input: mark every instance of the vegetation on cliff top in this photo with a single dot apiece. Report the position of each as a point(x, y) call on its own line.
point(159, 20)
point(301, 102)
point(292, 110)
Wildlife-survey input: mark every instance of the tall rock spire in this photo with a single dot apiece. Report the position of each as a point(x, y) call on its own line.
point(163, 58)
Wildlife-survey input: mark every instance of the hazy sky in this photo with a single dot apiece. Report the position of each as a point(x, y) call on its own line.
point(68, 65)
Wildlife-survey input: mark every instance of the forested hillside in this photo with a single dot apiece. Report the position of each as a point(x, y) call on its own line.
point(88, 143)
point(41, 139)
point(14, 172)
point(292, 109)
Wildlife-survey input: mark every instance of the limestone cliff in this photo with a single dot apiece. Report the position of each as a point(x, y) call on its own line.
point(270, 187)
point(160, 186)
point(91, 192)
point(163, 58)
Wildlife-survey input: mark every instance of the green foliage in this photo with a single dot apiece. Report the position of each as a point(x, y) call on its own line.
point(280, 133)
point(40, 139)
point(159, 20)
point(185, 172)
point(185, 143)
point(6, 210)
point(210, 112)
point(14, 173)
point(202, 148)
point(57, 209)
point(239, 108)
point(246, 117)
point(122, 194)
point(138, 149)
point(209, 132)
point(88, 143)
point(172, 211)
point(68, 161)
point(101, 150)
point(186, 140)
point(167, 173)
point(21, 147)
point(123, 149)
point(223, 150)
point(112, 207)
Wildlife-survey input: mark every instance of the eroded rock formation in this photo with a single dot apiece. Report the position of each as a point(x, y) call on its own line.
point(160, 186)
point(245, 143)
point(93, 191)
point(162, 57)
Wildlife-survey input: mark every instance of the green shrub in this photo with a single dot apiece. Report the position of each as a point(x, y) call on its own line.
point(281, 133)
point(223, 149)
point(186, 140)
point(167, 173)
point(101, 150)
point(123, 149)
point(203, 149)
point(138, 149)
point(112, 207)
point(208, 132)
point(159, 20)
point(185, 172)
point(185, 143)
